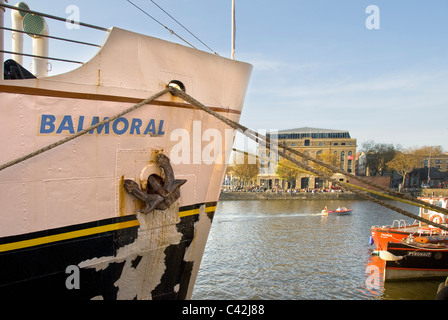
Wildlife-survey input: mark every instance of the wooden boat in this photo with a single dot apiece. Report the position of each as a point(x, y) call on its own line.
point(416, 258)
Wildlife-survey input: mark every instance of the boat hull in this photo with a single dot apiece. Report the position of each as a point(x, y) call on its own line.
point(69, 228)
point(415, 262)
point(340, 212)
point(383, 235)
point(70, 269)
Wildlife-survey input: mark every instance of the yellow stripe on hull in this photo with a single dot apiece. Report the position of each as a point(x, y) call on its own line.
point(67, 236)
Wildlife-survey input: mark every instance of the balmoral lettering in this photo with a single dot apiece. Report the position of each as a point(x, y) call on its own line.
point(64, 125)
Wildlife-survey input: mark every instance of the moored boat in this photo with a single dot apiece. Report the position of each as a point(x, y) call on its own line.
point(400, 230)
point(416, 258)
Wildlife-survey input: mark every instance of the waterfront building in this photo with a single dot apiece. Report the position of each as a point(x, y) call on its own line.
point(439, 162)
point(427, 178)
point(311, 141)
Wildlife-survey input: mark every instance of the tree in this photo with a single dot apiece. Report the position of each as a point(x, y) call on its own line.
point(426, 152)
point(245, 171)
point(378, 154)
point(327, 157)
point(403, 162)
point(288, 171)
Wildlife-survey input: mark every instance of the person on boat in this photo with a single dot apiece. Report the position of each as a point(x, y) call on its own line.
point(325, 210)
point(338, 209)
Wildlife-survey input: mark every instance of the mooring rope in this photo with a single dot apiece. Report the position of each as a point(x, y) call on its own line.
point(267, 143)
point(81, 133)
point(352, 185)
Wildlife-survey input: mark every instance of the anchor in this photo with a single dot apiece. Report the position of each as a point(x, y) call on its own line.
point(159, 194)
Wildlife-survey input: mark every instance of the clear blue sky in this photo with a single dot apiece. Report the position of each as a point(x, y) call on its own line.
point(316, 64)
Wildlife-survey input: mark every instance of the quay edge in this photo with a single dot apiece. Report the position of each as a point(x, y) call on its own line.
point(287, 196)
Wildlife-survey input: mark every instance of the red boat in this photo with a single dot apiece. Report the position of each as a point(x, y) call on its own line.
point(339, 210)
point(399, 230)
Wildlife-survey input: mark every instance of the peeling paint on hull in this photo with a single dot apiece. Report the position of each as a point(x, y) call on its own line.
point(143, 262)
point(67, 208)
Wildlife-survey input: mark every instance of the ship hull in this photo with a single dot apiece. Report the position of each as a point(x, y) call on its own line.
point(416, 262)
point(69, 228)
point(383, 235)
point(49, 274)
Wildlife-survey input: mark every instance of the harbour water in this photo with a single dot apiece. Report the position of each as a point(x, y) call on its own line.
point(288, 250)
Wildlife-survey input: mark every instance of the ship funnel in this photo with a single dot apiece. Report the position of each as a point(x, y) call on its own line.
point(17, 37)
point(37, 28)
point(2, 20)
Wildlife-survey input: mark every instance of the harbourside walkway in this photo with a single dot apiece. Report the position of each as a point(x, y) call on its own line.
point(241, 195)
point(287, 196)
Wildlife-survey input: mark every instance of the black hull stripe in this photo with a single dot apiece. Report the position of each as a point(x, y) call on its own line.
point(19, 242)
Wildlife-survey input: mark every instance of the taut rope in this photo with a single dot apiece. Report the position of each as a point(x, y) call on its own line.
point(266, 142)
point(81, 133)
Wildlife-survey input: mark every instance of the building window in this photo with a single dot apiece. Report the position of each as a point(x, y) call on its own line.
point(307, 143)
point(350, 161)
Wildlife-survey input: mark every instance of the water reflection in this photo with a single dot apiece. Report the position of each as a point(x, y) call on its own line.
point(397, 290)
point(286, 249)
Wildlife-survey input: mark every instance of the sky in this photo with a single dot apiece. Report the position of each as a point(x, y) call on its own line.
point(382, 75)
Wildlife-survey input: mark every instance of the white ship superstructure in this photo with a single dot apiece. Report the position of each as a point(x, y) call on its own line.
point(68, 226)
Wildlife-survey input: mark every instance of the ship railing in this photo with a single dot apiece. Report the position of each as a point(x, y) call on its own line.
point(400, 224)
point(4, 6)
